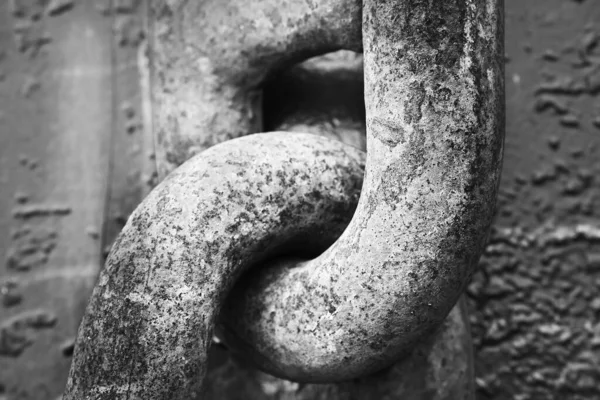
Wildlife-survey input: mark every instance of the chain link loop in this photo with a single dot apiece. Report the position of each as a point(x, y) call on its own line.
point(434, 103)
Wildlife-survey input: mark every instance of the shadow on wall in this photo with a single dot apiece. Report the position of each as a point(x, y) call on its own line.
point(535, 300)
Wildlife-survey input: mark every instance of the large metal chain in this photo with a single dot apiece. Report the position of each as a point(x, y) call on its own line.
point(434, 102)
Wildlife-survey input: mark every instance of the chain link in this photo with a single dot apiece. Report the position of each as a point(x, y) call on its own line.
point(434, 114)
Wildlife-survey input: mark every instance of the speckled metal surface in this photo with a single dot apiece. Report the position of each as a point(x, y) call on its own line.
point(447, 371)
point(439, 368)
point(212, 56)
point(434, 110)
point(148, 326)
point(454, 111)
point(166, 314)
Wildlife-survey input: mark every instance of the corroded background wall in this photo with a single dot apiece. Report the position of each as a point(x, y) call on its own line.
point(76, 156)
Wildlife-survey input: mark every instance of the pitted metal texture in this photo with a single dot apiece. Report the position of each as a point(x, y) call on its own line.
point(149, 324)
point(434, 103)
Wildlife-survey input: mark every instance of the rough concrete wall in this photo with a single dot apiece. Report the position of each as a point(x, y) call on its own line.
point(63, 135)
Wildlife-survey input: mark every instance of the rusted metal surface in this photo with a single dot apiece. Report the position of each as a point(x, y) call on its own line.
point(426, 262)
point(447, 371)
point(144, 373)
point(149, 323)
point(211, 58)
point(434, 103)
point(535, 335)
point(441, 367)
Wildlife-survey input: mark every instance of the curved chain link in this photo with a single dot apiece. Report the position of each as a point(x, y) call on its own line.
point(434, 101)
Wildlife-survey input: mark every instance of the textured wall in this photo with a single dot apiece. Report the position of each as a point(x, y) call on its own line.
point(75, 159)
point(536, 300)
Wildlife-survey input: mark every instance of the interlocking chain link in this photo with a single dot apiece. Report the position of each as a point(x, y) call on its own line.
point(434, 103)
